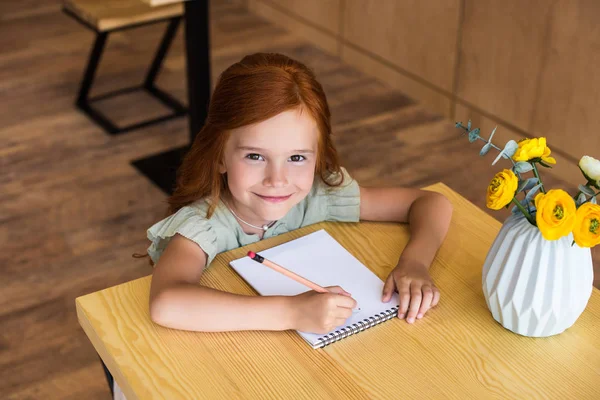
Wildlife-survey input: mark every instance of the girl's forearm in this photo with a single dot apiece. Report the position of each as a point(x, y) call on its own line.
point(429, 220)
point(197, 308)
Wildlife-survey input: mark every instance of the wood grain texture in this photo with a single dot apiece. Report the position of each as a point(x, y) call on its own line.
point(271, 11)
point(420, 92)
point(106, 15)
point(567, 107)
point(501, 57)
point(322, 13)
point(458, 345)
point(399, 31)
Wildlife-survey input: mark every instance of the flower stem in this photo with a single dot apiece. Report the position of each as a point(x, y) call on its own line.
point(523, 210)
point(537, 175)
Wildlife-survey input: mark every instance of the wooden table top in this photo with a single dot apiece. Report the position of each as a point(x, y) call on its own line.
point(457, 351)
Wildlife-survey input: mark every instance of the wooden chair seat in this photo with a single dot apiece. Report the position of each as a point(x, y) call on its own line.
point(108, 15)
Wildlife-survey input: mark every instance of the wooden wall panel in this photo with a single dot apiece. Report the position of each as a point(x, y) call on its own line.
point(286, 20)
point(424, 94)
point(323, 13)
point(411, 34)
point(568, 109)
point(501, 56)
point(526, 65)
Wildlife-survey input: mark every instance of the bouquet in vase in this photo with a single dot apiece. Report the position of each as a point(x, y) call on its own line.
point(538, 274)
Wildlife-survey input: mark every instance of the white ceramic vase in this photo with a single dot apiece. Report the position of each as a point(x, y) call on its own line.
point(533, 286)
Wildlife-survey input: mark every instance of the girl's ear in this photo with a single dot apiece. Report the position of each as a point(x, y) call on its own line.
point(222, 168)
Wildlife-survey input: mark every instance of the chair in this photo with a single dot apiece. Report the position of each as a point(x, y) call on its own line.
point(106, 16)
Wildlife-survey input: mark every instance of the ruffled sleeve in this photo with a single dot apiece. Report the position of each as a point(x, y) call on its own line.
point(343, 202)
point(331, 203)
point(189, 222)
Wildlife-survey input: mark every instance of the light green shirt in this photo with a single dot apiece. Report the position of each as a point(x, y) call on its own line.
point(222, 232)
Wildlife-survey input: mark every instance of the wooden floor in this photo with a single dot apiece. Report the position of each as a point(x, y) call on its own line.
point(73, 209)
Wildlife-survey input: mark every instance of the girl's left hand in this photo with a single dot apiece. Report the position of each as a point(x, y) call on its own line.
point(416, 290)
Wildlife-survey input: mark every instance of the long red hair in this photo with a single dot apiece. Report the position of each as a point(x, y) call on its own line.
point(255, 89)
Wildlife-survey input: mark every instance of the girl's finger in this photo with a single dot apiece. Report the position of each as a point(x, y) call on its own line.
point(436, 297)
point(388, 289)
point(426, 302)
point(404, 298)
point(415, 302)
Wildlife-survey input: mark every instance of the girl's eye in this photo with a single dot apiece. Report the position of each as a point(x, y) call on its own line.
point(254, 157)
point(297, 158)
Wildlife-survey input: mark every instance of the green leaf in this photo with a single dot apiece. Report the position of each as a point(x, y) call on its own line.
point(522, 167)
point(485, 149)
point(492, 134)
point(586, 190)
point(509, 149)
point(527, 185)
point(474, 134)
point(581, 199)
point(532, 192)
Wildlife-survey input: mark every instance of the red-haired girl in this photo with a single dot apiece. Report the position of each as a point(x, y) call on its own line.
point(264, 164)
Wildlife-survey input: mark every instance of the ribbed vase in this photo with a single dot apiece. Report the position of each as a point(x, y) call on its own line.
point(533, 286)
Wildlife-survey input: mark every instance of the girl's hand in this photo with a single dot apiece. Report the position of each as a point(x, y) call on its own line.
point(417, 293)
point(321, 312)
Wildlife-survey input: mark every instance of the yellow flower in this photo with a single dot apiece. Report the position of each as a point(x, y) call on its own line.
point(587, 225)
point(555, 213)
point(533, 148)
point(502, 189)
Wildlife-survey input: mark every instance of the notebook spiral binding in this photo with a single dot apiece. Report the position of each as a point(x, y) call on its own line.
point(355, 328)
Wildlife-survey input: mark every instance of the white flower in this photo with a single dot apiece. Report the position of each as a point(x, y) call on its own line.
point(591, 168)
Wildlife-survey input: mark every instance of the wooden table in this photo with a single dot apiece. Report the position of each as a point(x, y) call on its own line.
point(457, 351)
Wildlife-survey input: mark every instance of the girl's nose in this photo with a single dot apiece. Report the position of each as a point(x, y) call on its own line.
point(275, 177)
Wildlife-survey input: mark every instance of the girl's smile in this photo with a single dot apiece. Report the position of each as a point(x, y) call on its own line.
point(274, 199)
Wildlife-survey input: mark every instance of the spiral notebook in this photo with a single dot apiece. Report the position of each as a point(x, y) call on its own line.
point(320, 258)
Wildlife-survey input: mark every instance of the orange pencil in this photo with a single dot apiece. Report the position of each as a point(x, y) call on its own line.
point(287, 273)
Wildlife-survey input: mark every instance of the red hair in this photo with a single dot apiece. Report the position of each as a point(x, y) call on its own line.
point(255, 89)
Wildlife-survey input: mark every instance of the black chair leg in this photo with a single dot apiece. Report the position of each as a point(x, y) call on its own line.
point(154, 69)
point(84, 102)
point(92, 66)
point(109, 378)
point(162, 51)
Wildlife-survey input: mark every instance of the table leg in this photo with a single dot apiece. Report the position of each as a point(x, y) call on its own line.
point(161, 168)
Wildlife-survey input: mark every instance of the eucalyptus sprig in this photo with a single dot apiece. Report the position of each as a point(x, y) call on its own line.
point(528, 186)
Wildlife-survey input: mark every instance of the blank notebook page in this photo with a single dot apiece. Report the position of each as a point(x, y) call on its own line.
point(317, 257)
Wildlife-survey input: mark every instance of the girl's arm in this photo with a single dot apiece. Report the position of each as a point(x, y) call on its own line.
point(428, 214)
point(177, 301)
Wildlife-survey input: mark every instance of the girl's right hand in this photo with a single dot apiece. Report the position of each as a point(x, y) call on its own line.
point(321, 312)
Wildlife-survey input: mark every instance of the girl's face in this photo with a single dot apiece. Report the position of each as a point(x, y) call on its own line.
point(270, 165)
